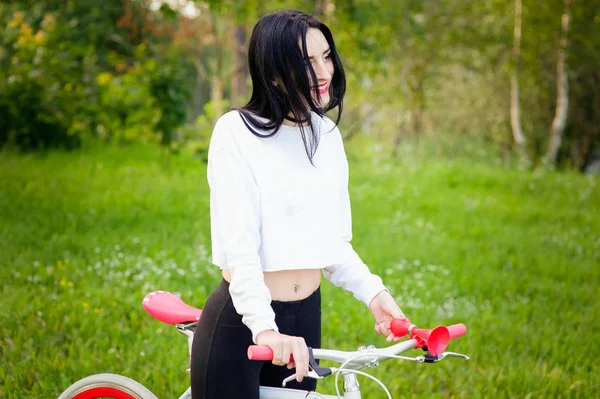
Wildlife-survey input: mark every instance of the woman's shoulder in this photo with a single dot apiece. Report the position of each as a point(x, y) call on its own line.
point(329, 128)
point(237, 123)
point(229, 120)
point(225, 131)
point(327, 125)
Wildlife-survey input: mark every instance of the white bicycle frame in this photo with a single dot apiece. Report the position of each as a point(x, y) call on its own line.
point(363, 358)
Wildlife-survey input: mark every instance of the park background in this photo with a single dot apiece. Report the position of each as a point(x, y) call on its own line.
point(473, 135)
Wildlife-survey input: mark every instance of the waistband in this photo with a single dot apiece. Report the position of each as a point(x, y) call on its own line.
point(223, 288)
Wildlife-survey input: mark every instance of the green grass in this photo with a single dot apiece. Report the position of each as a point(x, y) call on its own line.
point(513, 254)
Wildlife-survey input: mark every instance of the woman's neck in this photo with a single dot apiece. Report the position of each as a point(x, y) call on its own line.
point(290, 121)
point(287, 122)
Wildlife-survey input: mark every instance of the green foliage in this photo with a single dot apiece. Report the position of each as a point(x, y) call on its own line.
point(443, 68)
point(413, 68)
point(206, 122)
point(126, 108)
point(86, 70)
point(169, 85)
point(511, 254)
point(42, 85)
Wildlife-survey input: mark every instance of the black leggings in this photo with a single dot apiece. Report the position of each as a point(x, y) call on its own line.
point(220, 367)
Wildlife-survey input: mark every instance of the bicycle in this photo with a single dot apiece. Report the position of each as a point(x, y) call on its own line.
point(171, 309)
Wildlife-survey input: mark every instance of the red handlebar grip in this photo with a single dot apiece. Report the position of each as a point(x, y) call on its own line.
point(457, 330)
point(260, 352)
point(400, 327)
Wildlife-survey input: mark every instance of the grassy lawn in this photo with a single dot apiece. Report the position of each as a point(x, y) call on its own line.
point(514, 255)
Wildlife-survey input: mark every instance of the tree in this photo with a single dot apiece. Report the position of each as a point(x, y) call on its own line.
point(514, 84)
point(239, 65)
point(77, 69)
point(562, 89)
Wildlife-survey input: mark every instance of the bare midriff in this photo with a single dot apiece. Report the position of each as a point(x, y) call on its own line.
point(289, 285)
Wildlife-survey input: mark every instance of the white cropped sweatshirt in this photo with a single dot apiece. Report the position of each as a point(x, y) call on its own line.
point(272, 210)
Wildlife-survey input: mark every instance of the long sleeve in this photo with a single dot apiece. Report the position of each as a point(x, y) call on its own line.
point(235, 208)
point(352, 275)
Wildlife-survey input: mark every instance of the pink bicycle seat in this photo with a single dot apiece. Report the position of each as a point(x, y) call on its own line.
point(169, 308)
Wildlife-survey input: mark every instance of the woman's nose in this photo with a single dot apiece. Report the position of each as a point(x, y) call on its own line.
point(322, 71)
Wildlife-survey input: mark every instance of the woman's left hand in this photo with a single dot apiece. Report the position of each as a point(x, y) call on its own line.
point(384, 310)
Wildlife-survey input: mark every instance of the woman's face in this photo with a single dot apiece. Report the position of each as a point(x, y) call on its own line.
point(319, 55)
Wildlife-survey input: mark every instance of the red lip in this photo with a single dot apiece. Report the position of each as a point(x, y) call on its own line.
point(323, 88)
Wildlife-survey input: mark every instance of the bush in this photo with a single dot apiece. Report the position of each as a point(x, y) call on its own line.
point(56, 90)
point(42, 86)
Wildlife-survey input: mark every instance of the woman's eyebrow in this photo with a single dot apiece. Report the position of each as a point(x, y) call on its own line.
point(324, 52)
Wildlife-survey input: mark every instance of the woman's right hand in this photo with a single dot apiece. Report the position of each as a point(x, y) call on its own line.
point(283, 347)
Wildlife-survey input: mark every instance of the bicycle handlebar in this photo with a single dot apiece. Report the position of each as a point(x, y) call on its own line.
point(261, 352)
point(401, 327)
point(457, 330)
point(420, 336)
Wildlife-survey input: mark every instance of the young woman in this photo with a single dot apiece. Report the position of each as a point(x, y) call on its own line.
point(280, 214)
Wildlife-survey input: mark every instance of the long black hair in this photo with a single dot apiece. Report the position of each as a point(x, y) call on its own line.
point(274, 55)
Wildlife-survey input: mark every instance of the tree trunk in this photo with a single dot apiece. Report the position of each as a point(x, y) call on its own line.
point(216, 94)
point(419, 108)
point(365, 108)
point(514, 86)
point(400, 134)
point(562, 90)
point(195, 106)
point(218, 75)
point(404, 89)
point(239, 73)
